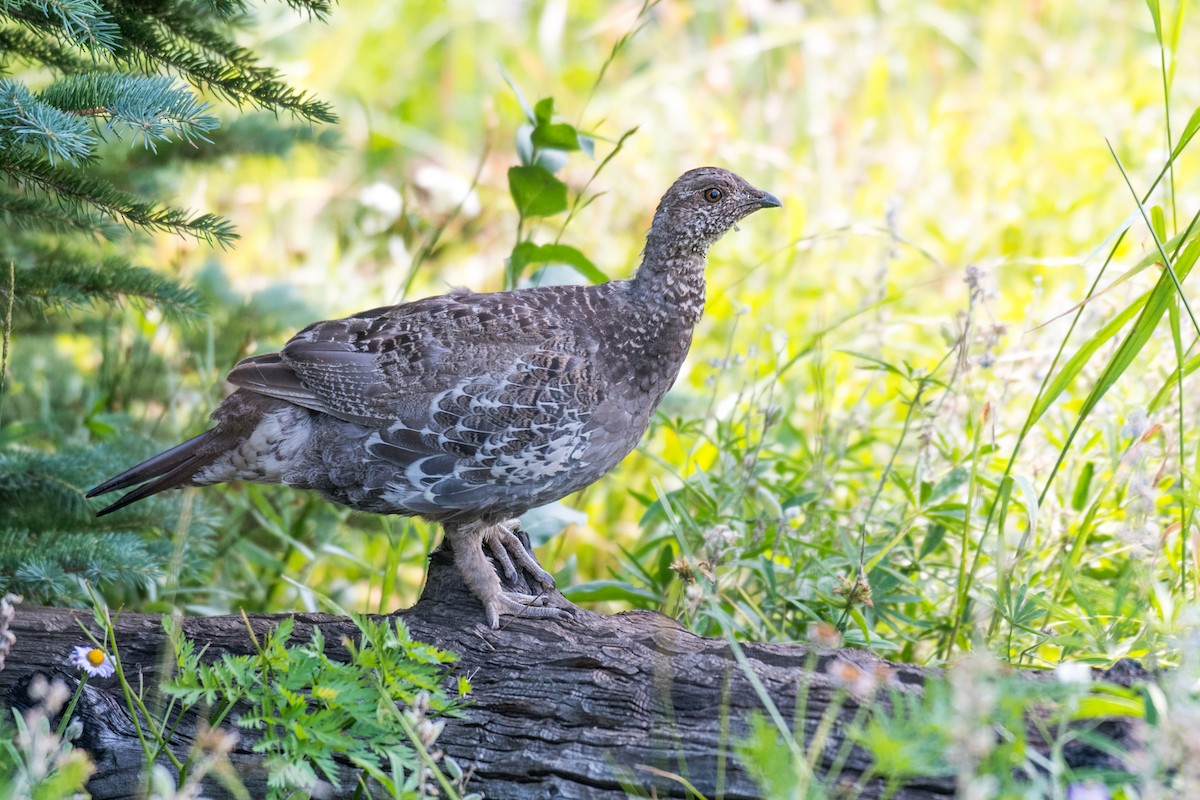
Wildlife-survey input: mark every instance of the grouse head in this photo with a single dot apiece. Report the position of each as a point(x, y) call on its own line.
point(701, 206)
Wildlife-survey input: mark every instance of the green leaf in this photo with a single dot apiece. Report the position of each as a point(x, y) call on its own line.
point(606, 590)
point(1106, 707)
point(1160, 296)
point(555, 136)
point(1082, 485)
point(948, 485)
point(799, 500)
point(1158, 221)
point(1156, 16)
point(933, 539)
point(769, 759)
point(1176, 30)
point(536, 192)
point(1081, 358)
point(1189, 131)
point(526, 253)
point(543, 111)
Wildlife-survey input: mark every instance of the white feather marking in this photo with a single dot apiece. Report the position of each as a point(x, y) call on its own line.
point(266, 453)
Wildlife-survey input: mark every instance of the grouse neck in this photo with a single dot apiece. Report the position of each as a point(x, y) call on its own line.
point(669, 286)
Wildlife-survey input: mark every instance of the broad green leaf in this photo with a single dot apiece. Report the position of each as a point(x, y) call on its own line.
point(536, 192)
point(526, 253)
point(802, 499)
point(543, 111)
point(948, 485)
point(861, 622)
point(933, 539)
point(902, 483)
point(555, 136)
point(1105, 707)
point(609, 590)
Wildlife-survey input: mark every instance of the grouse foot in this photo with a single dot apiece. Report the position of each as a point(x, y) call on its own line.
point(484, 582)
point(505, 546)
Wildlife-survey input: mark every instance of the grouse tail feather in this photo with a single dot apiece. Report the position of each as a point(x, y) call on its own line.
point(166, 470)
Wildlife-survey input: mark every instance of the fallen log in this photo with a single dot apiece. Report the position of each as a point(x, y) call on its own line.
point(593, 706)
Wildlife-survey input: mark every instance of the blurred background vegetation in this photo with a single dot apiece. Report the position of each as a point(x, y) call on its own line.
point(842, 446)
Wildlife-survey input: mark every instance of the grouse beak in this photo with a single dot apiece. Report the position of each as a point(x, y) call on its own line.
point(768, 200)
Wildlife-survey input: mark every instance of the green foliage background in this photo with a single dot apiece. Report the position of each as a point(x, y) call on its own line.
point(870, 354)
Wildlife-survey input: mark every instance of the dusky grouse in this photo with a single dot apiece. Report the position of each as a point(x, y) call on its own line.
point(470, 409)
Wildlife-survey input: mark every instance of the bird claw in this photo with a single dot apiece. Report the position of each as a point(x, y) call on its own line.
point(518, 604)
point(506, 548)
point(536, 597)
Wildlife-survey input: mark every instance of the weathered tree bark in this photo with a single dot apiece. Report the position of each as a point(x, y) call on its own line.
point(586, 707)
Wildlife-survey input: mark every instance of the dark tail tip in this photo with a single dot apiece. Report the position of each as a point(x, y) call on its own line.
point(171, 468)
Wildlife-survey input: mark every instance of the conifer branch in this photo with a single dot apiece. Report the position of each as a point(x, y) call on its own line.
point(258, 133)
point(121, 206)
point(53, 569)
point(27, 122)
point(25, 211)
point(229, 9)
point(148, 108)
point(169, 36)
point(119, 65)
point(64, 279)
point(84, 23)
point(17, 43)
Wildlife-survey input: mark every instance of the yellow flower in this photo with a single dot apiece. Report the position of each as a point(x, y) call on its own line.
point(92, 660)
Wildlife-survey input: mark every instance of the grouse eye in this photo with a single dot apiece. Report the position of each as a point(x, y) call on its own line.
point(712, 195)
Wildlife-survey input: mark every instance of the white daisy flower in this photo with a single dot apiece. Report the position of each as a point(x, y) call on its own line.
point(92, 660)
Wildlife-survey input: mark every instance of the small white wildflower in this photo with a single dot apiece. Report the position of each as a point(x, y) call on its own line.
point(384, 205)
point(721, 534)
point(382, 197)
point(92, 660)
point(444, 190)
point(1073, 673)
point(52, 695)
point(7, 612)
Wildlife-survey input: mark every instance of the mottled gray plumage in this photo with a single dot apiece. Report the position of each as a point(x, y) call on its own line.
point(470, 409)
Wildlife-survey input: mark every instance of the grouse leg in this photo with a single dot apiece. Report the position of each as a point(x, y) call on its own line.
point(482, 580)
point(505, 546)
